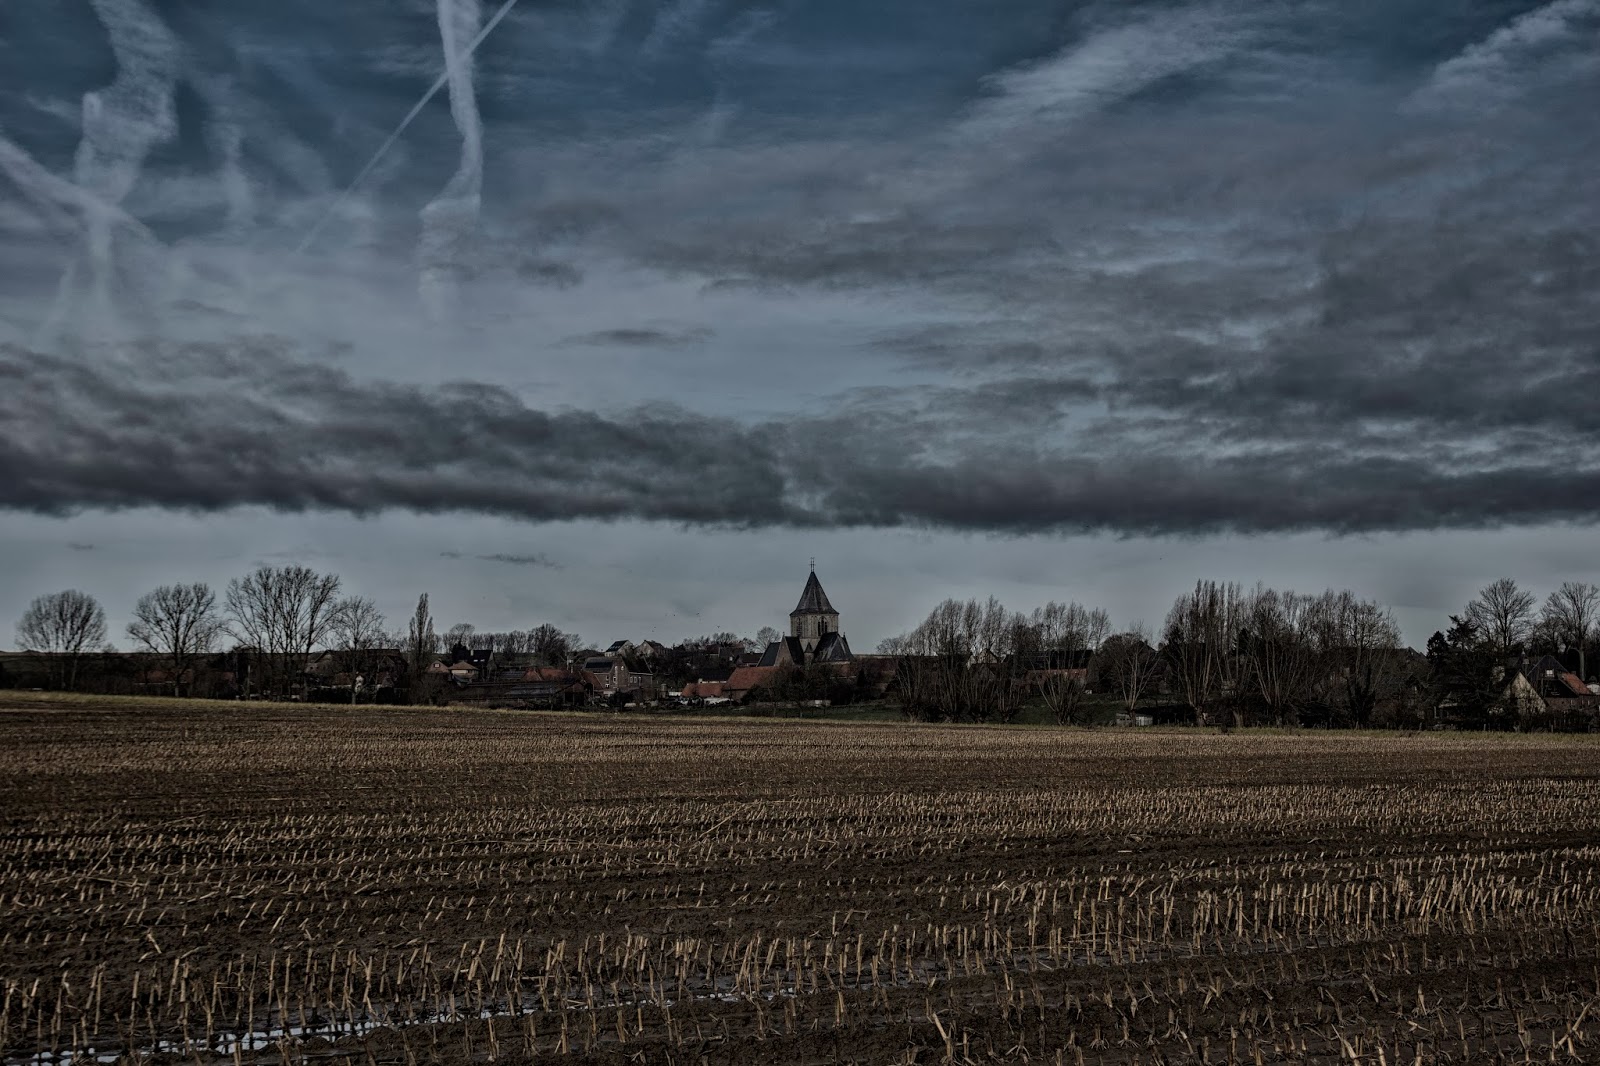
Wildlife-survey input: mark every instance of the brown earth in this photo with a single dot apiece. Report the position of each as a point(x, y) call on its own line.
point(618, 889)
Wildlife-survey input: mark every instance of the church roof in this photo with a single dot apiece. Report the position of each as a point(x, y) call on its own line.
point(812, 599)
point(783, 650)
point(832, 648)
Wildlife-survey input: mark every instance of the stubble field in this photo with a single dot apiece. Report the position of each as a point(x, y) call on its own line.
point(237, 882)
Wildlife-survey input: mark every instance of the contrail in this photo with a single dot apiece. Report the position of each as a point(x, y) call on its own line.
point(68, 210)
point(433, 90)
point(66, 204)
point(457, 19)
point(121, 123)
point(225, 133)
point(455, 210)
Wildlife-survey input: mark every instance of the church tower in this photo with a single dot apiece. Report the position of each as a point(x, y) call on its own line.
point(813, 616)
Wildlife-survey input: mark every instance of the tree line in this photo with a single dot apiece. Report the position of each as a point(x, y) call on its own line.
point(276, 617)
point(1231, 656)
point(1224, 653)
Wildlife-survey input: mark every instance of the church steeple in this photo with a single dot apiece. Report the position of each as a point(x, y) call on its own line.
point(813, 599)
point(813, 615)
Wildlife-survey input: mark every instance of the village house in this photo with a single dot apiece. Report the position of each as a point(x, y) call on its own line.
point(1541, 695)
point(1552, 680)
point(463, 665)
point(1545, 693)
point(459, 670)
point(616, 678)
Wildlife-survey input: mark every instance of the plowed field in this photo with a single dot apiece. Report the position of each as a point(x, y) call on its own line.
point(247, 882)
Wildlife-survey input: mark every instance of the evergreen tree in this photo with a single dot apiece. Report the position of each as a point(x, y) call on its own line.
point(1464, 673)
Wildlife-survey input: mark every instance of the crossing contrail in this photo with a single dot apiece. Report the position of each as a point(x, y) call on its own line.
point(383, 149)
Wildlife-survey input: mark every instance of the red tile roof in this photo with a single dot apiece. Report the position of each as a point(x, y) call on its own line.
point(746, 678)
point(1575, 686)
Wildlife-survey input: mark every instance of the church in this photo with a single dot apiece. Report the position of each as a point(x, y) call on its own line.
point(814, 635)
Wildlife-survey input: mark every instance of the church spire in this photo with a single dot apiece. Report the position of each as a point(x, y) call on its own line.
point(815, 624)
point(812, 599)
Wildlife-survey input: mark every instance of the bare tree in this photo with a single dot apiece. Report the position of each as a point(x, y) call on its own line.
point(1064, 696)
point(993, 684)
point(422, 644)
point(62, 628)
point(459, 634)
point(1054, 644)
point(1277, 651)
point(1069, 628)
point(913, 684)
point(179, 624)
point(1200, 638)
point(283, 613)
point(1129, 664)
point(766, 635)
point(1543, 637)
point(513, 642)
point(1570, 613)
point(1503, 613)
point(960, 664)
point(988, 629)
point(1357, 647)
point(358, 636)
point(518, 642)
point(551, 646)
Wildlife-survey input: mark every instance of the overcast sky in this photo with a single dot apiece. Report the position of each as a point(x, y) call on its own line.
point(654, 302)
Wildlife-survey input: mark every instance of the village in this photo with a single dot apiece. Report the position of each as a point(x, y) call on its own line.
point(542, 668)
point(705, 673)
point(1225, 657)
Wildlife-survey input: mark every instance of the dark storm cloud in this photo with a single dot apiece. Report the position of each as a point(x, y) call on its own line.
point(206, 428)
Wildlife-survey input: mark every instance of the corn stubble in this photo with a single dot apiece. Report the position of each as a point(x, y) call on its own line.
point(240, 883)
